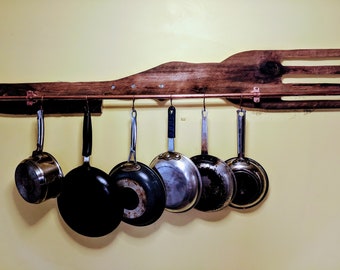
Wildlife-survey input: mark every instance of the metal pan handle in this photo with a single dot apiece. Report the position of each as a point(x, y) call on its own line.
point(204, 136)
point(41, 131)
point(132, 154)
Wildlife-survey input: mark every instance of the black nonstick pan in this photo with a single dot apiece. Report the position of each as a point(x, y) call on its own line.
point(89, 202)
point(218, 181)
point(38, 178)
point(251, 178)
point(183, 184)
point(142, 188)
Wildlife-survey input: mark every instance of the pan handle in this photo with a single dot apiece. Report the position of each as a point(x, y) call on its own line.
point(87, 134)
point(132, 154)
point(41, 131)
point(171, 128)
point(204, 144)
point(241, 126)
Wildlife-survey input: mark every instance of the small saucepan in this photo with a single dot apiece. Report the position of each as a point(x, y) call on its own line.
point(89, 202)
point(142, 189)
point(218, 179)
point(38, 178)
point(183, 184)
point(251, 178)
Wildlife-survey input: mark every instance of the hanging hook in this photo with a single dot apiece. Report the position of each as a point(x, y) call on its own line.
point(204, 110)
point(241, 100)
point(133, 110)
point(204, 102)
point(133, 103)
point(41, 102)
point(87, 106)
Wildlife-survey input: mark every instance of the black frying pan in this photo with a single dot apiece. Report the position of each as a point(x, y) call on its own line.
point(218, 180)
point(251, 178)
point(142, 188)
point(89, 202)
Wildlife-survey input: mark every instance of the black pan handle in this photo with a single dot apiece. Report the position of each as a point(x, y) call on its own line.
point(87, 132)
point(241, 126)
point(171, 128)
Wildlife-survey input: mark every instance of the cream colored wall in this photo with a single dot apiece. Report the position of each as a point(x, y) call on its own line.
point(298, 225)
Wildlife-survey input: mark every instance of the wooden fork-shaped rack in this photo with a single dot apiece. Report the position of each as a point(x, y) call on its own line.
point(281, 80)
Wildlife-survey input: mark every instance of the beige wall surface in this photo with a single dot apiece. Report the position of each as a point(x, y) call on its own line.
point(297, 227)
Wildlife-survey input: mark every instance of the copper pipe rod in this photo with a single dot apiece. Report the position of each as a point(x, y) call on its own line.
point(149, 96)
point(154, 96)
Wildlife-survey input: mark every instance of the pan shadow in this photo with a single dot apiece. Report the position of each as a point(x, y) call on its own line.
point(214, 216)
point(31, 213)
point(89, 242)
point(176, 219)
point(182, 219)
point(141, 231)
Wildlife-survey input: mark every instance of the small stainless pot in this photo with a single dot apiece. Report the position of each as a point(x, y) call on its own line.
point(38, 178)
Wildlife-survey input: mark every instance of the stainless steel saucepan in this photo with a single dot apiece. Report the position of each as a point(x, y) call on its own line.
point(38, 178)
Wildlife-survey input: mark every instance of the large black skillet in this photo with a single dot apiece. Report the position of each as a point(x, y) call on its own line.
point(251, 178)
point(89, 202)
point(142, 188)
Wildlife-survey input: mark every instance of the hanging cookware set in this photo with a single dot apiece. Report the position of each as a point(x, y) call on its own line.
point(93, 203)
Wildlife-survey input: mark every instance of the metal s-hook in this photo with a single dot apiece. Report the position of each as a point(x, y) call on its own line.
point(204, 102)
point(241, 100)
point(204, 110)
point(133, 104)
point(87, 106)
point(41, 102)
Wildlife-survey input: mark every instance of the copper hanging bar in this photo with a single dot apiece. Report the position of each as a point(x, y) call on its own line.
point(146, 96)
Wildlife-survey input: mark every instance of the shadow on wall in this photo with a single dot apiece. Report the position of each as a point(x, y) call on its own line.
point(33, 213)
point(30, 213)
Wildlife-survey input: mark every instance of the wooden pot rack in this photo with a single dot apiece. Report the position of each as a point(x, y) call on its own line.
point(257, 79)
